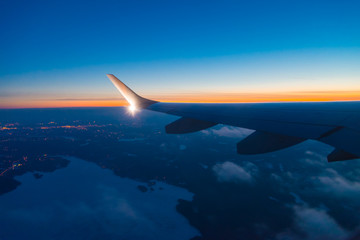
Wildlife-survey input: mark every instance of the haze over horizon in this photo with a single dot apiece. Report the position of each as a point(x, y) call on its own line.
point(57, 54)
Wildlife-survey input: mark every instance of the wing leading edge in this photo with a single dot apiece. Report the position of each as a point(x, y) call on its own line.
point(277, 125)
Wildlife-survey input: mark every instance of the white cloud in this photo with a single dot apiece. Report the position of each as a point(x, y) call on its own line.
point(229, 131)
point(317, 224)
point(313, 224)
point(297, 198)
point(334, 183)
point(315, 158)
point(230, 172)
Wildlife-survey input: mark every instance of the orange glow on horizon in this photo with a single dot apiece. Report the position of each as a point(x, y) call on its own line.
point(315, 96)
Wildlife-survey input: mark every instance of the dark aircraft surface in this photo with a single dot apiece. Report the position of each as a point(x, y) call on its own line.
point(277, 125)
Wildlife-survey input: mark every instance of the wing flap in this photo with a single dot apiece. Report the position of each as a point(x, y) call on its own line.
point(187, 125)
point(345, 139)
point(264, 142)
point(340, 155)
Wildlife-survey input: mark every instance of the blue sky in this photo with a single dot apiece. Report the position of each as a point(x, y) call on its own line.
point(65, 48)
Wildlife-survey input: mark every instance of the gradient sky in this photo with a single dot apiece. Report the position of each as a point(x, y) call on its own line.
point(56, 53)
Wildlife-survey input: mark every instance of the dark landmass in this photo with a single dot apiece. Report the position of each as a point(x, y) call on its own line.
point(38, 175)
point(142, 188)
point(8, 184)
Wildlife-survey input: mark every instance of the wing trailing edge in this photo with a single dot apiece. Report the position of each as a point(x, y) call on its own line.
point(264, 142)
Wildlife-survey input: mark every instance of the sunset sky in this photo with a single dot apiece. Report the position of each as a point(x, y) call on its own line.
point(57, 53)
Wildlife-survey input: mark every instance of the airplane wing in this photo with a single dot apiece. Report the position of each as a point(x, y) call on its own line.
point(277, 125)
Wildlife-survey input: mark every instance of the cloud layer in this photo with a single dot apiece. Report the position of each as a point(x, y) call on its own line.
point(230, 172)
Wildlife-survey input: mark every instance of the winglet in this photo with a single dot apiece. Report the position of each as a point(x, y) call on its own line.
point(131, 97)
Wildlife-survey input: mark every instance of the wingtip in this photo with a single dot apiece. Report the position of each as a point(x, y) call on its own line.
point(131, 97)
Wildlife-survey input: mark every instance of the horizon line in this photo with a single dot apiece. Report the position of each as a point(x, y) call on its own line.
point(207, 102)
